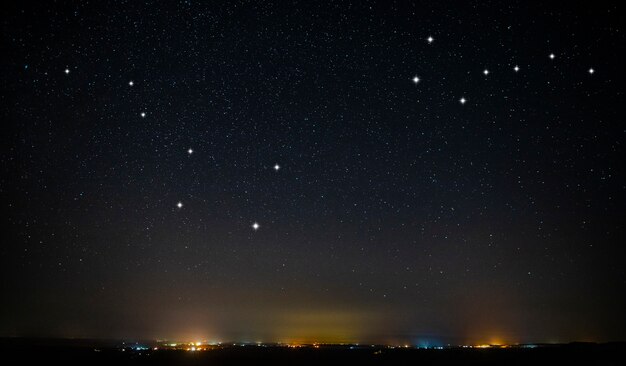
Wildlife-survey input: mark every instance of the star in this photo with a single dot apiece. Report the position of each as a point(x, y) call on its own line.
point(256, 226)
point(416, 79)
point(462, 100)
point(131, 83)
point(552, 56)
point(486, 72)
point(430, 39)
point(67, 71)
point(516, 68)
point(276, 167)
point(591, 71)
point(179, 205)
point(190, 151)
point(143, 114)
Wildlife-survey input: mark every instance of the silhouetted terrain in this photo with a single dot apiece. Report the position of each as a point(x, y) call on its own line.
point(48, 352)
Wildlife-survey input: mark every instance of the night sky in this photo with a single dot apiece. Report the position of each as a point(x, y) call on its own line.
point(348, 171)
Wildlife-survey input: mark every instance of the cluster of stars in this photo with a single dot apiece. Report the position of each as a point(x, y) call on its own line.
point(486, 72)
point(416, 80)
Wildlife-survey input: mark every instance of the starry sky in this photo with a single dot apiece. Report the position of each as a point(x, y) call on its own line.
point(360, 171)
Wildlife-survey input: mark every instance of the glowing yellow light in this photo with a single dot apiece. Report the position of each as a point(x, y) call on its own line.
point(193, 348)
point(198, 343)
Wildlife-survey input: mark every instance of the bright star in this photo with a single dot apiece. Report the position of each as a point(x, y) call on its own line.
point(67, 71)
point(130, 83)
point(591, 71)
point(486, 72)
point(516, 68)
point(276, 167)
point(552, 56)
point(143, 114)
point(179, 205)
point(190, 151)
point(462, 100)
point(256, 226)
point(416, 79)
point(430, 39)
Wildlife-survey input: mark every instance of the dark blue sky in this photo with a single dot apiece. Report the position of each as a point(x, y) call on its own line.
point(446, 171)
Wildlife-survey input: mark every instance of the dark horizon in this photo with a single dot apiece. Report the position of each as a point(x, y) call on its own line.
point(77, 353)
point(377, 172)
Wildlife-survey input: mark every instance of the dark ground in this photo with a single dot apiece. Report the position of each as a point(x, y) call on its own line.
point(22, 351)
